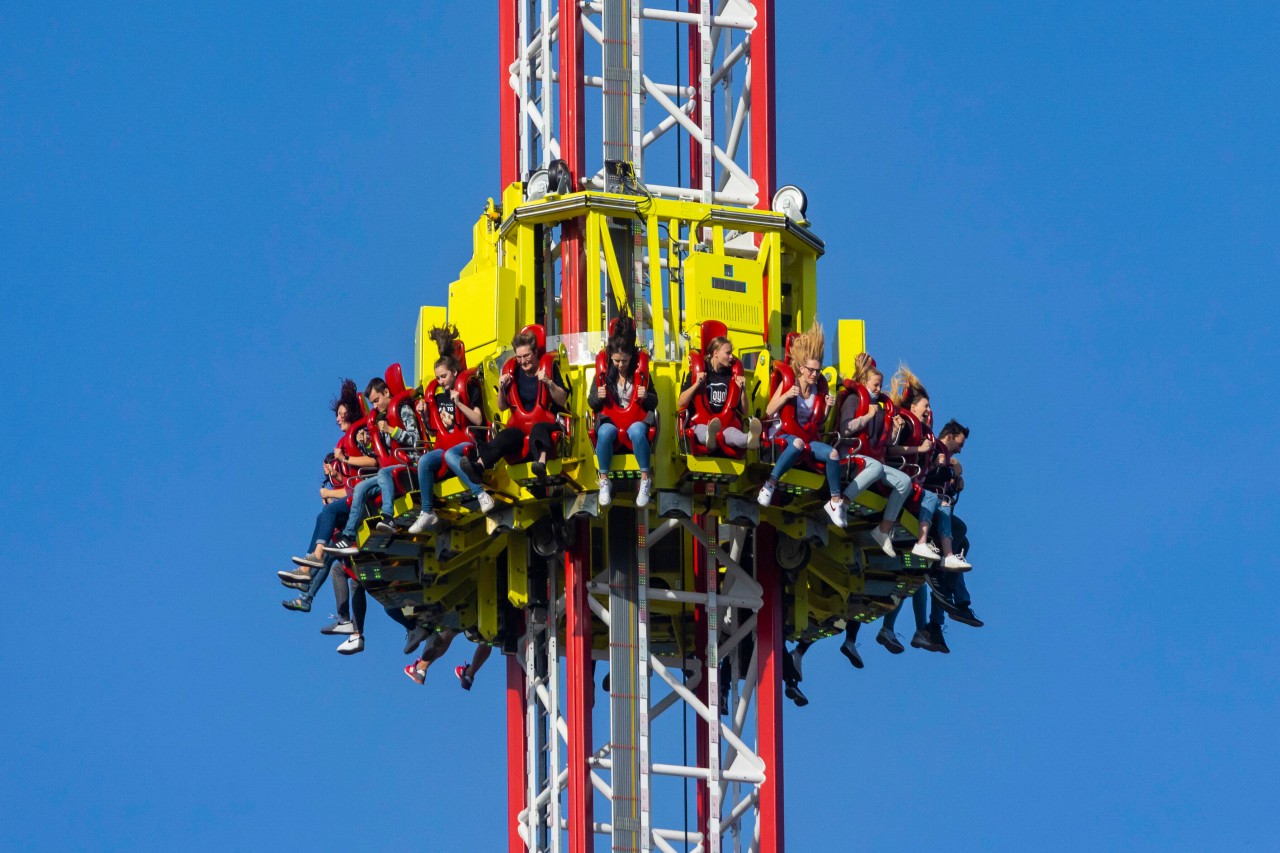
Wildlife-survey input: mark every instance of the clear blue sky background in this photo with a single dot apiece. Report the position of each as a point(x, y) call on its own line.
point(1064, 215)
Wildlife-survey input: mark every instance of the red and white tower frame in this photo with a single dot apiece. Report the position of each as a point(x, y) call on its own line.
point(567, 68)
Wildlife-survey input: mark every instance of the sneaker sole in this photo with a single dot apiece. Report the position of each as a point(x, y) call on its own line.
point(339, 631)
point(853, 658)
point(895, 648)
point(307, 561)
point(796, 696)
point(354, 651)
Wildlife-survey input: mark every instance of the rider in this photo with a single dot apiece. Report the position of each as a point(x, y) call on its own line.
point(864, 418)
point(450, 413)
point(528, 390)
point(712, 387)
point(801, 406)
point(624, 392)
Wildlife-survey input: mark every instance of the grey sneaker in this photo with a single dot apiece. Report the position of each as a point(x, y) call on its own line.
point(486, 502)
point(339, 626)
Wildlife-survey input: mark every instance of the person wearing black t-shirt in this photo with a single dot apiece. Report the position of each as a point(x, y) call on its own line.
point(620, 389)
point(450, 403)
point(529, 381)
point(713, 384)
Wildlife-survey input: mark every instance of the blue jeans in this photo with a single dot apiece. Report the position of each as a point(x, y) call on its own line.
point(930, 505)
point(385, 484)
point(919, 600)
point(607, 437)
point(822, 452)
point(318, 577)
point(430, 462)
point(872, 474)
point(333, 516)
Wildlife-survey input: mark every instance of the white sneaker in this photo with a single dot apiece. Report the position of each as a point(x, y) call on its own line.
point(835, 511)
point(766, 494)
point(926, 551)
point(486, 502)
point(882, 539)
point(956, 563)
point(424, 522)
point(351, 645)
point(642, 493)
point(606, 491)
point(713, 430)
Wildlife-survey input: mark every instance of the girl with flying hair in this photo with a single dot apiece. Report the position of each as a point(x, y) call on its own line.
point(451, 412)
point(908, 392)
point(802, 405)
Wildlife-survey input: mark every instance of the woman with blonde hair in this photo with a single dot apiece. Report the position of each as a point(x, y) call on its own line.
point(800, 402)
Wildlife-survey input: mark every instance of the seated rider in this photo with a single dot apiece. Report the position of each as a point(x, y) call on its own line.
point(801, 406)
point(714, 422)
point(450, 411)
point(624, 394)
point(535, 395)
point(913, 439)
point(346, 409)
point(865, 424)
point(947, 479)
point(384, 483)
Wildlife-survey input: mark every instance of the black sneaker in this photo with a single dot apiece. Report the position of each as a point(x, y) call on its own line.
point(795, 694)
point(966, 616)
point(923, 639)
point(342, 546)
point(469, 467)
point(850, 651)
point(414, 637)
point(890, 641)
point(539, 470)
point(939, 642)
point(299, 604)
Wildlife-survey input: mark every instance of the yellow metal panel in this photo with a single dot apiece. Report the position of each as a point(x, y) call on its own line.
point(483, 307)
point(852, 337)
point(487, 599)
point(728, 289)
point(655, 287)
point(424, 349)
point(517, 569)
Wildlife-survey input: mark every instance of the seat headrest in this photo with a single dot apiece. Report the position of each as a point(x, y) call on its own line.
point(394, 378)
point(540, 336)
point(786, 347)
point(460, 353)
point(712, 329)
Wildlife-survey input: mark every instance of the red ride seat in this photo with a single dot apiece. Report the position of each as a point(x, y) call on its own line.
point(699, 412)
point(446, 435)
point(623, 416)
point(541, 411)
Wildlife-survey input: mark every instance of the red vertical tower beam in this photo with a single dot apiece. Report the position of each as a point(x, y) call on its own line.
point(516, 752)
point(695, 78)
point(572, 143)
point(508, 103)
point(769, 649)
point(577, 621)
point(764, 122)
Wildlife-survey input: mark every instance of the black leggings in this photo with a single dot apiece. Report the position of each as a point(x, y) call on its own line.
point(542, 439)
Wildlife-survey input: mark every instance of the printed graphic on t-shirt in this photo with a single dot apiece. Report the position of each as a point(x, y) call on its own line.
point(447, 410)
point(717, 393)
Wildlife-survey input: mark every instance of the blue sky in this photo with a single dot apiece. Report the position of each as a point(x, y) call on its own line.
point(1063, 215)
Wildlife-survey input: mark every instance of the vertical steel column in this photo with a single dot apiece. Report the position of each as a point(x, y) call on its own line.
point(701, 559)
point(516, 746)
point(712, 677)
point(573, 152)
point(706, 103)
point(769, 651)
point(508, 102)
point(617, 79)
point(577, 629)
point(624, 665)
point(642, 677)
